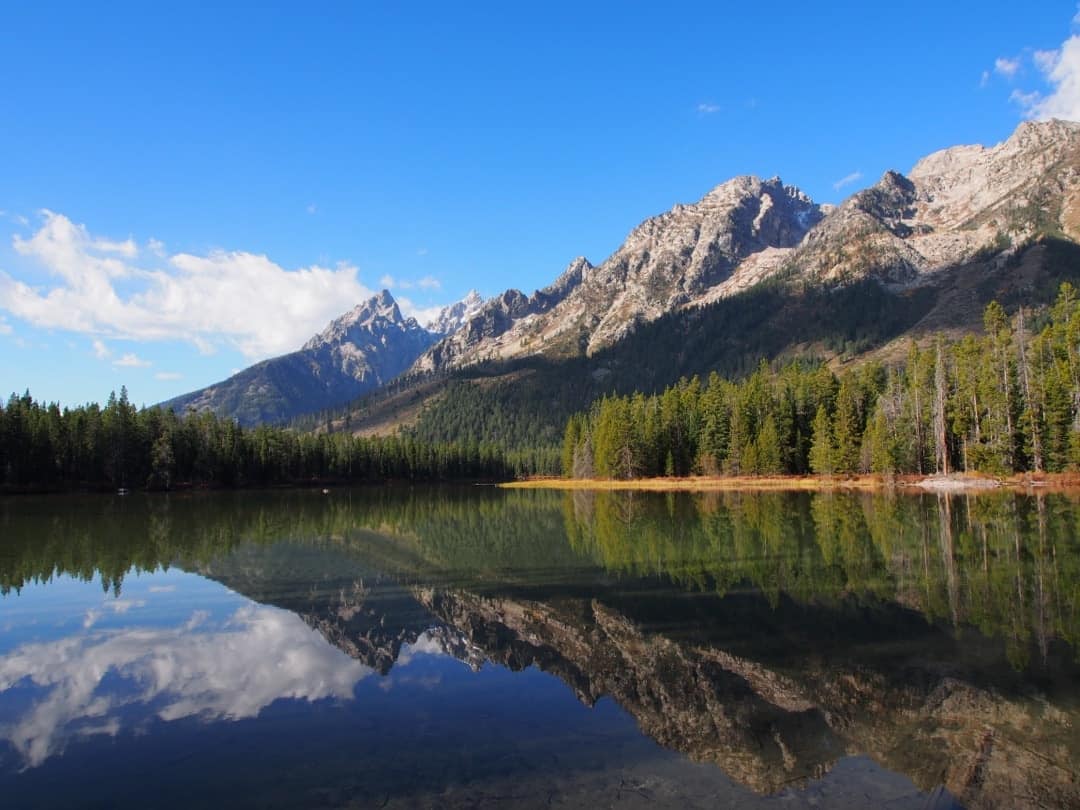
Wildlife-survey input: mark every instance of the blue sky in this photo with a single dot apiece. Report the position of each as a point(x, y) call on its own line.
point(188, 189)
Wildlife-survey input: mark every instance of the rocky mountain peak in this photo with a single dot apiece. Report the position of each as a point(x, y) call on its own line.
point(453, 317)
point(377, 313)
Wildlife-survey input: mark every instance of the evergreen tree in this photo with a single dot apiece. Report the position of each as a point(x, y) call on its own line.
point(822, 453)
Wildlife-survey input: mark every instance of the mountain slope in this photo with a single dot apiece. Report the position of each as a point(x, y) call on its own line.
point(666, 262)
point(964, 205)
point(907, 257)
point(364, 348)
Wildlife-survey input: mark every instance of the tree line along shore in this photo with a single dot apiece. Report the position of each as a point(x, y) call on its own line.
point(997, 404)
point(993, 406)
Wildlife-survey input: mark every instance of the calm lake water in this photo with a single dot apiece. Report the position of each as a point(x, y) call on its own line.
point(478, 647)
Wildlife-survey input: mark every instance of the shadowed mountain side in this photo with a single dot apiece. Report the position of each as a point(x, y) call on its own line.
point(528, 401)
point(363, 349)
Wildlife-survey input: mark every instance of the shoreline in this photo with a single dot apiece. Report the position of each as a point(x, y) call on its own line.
point(953, 483)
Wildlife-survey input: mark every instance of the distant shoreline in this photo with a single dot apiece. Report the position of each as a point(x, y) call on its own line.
point(966, 483)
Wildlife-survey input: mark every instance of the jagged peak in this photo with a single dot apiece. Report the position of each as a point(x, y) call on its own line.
point(381, 306)
point(1028, 135)
point(1047, 128)
point(453, 316)
point(749, 185)
point(572, 275)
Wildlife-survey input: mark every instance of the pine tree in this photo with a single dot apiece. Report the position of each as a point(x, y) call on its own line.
point(821, 444)
point(847, 430)
point(769, 461)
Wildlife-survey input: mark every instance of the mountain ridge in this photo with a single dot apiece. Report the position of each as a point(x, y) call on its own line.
point(362, 349)
point(954, 224)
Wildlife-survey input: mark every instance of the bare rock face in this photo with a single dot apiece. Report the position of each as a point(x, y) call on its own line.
point(958, 207)
point(453, 317)
point(502, 325)
point(364, 348)
point(666, 262)
point(374, 339)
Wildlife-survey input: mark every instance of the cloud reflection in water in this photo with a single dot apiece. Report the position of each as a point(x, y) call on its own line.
point(232, 670)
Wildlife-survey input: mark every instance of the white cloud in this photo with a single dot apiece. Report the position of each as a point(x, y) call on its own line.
point(161, 588)
point(156, 246)
point(101, 351)
point(223, 298)
point(388, 281)
point(422, 314)
point(122, 606)
point(1006, 67)
point(312, 209)
point(132, 360)
point(5, 327)
point(217, 672)
point(984, 79)
point(847, 180)
point(128, 249)
point(429, 283)
point(421, 251)
point(707, 108)
point(1060, 69)
point(167, 376)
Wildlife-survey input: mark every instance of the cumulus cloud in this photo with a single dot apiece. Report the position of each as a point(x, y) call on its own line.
point(1006, 67)
point(132, 360)
point(423, 315)
point(1060, 69)
point(231, 671)
point(101, 351)
point(429, 283)
point(847, 180)
point(234, 298)
point(127, 248)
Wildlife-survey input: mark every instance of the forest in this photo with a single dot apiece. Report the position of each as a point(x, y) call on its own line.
point(120, 446)
point(1004, 402)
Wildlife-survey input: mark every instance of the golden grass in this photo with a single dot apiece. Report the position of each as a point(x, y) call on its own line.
point(707, 483)
point(1054, 482)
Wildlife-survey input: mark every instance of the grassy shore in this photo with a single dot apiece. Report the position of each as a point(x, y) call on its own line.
point(706, 483)
point(781, 483)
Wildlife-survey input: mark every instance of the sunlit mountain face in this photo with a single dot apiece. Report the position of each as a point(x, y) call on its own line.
point(454, 646)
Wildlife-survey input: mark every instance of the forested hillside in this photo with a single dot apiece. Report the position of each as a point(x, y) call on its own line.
point(1003, 402)
point(525, 403)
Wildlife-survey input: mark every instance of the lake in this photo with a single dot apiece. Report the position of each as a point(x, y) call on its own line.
point(476, 647)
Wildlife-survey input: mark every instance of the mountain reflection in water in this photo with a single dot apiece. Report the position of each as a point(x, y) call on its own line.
point(787, 639)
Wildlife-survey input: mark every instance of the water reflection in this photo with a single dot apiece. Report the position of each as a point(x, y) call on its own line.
point(87, 684)
point(776, 636)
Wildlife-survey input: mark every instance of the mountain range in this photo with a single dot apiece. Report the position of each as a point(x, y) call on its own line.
point(756, 265)
point(361, 350)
